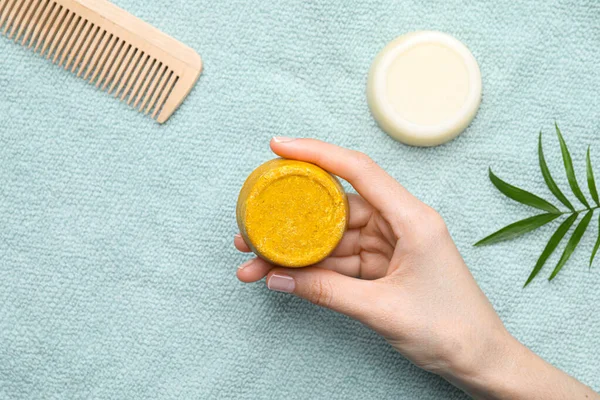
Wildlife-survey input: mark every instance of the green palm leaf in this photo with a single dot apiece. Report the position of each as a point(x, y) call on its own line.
point(590, 178)
point(551, 212)
point(569, 169)
point(572, 243)
point(518, 228)
point(596, 246)
point(522, 196)
point(551, 246)
point(548, 178)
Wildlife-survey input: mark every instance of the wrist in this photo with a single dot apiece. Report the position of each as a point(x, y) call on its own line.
point(487, 363)
point(506, 369)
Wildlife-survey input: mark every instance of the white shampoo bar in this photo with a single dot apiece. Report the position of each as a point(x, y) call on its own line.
point(424, 88)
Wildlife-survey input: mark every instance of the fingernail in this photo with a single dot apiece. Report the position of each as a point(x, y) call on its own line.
point(283, 139)
point(244, 265)
point(237, 236)
point(281, 283)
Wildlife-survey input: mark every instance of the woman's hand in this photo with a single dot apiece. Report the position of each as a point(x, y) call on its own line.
point(414, 287)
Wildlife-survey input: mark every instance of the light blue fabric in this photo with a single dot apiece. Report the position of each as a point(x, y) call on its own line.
point(117, 269)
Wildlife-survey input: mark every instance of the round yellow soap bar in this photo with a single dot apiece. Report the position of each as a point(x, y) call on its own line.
point(424, 88)
point(292, 213)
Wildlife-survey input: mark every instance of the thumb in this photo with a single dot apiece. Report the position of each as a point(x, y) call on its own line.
point(350, 296)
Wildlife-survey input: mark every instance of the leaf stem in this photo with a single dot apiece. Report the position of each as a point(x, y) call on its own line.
point(580, 211)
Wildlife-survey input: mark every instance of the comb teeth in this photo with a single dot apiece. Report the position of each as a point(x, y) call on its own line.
point(110, 48)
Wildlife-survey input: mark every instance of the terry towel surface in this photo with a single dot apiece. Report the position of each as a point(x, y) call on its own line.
point(117, 269)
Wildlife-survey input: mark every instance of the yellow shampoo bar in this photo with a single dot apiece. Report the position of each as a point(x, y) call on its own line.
point(292, 213)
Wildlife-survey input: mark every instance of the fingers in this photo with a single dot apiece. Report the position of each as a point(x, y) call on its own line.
point(360, 211)
point(344, 259)
point(349, 265)
point(253, 270)
point(370, 181)
point(349, 244)
point(239, 244)
point(350, 296)
point(256, 268)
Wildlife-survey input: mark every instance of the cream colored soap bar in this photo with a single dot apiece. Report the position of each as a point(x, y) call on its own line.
point(424, 88)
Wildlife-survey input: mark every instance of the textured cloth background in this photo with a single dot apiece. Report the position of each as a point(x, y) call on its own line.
point(117, 269)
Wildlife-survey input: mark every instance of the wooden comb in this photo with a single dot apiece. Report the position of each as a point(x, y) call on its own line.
point(108, 46)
